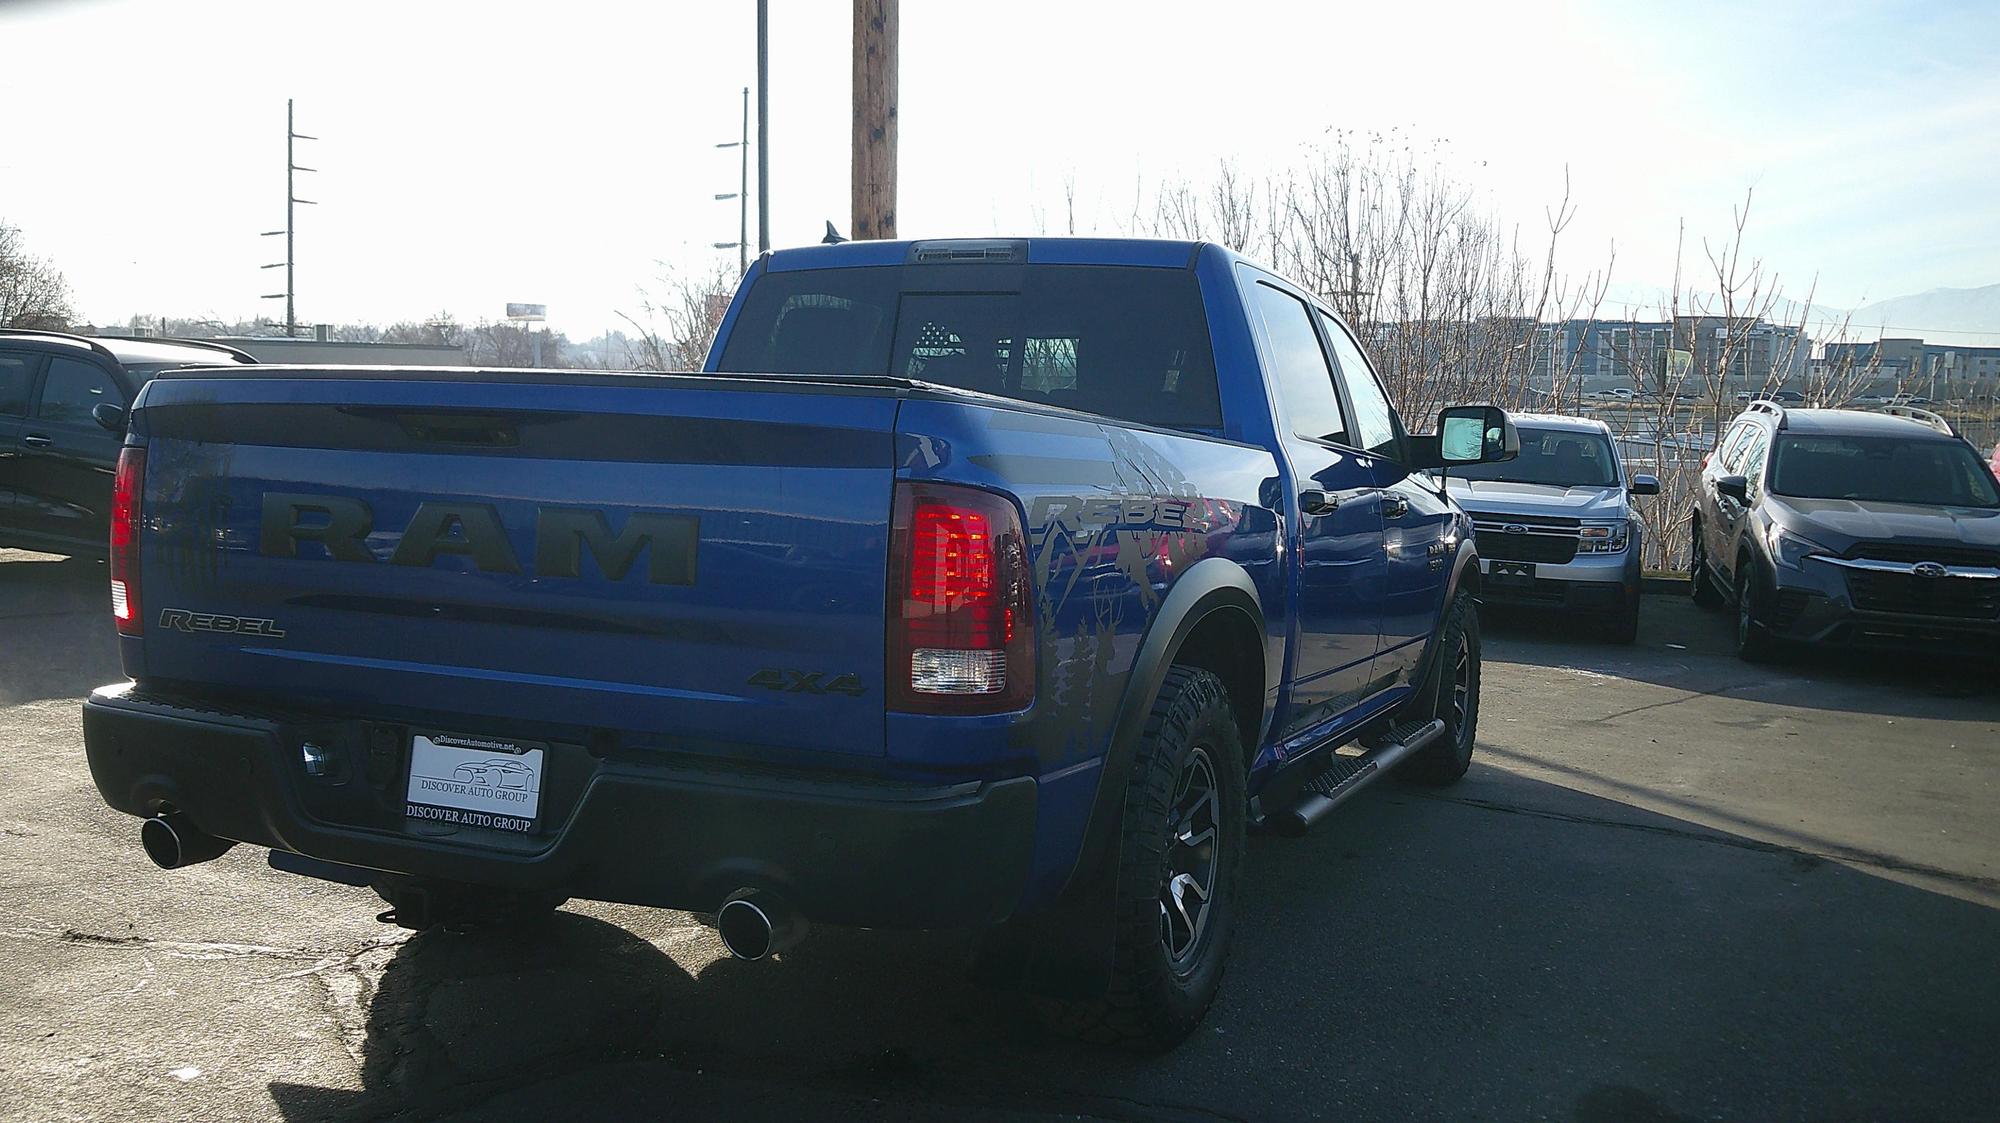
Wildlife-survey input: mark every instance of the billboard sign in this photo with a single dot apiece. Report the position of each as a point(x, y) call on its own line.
point(532, 312)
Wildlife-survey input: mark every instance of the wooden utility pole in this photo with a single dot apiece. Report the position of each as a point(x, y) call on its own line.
point(874, 119)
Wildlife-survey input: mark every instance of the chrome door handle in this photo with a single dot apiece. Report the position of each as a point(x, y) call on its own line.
point(36, 440)
point(1313, 501)
point(1394, 506)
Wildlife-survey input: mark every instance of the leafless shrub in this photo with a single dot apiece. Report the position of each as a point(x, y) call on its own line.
point(33, 293)
point(678, 318)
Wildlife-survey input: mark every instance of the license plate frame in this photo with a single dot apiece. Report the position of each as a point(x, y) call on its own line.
point(1510, 572)
point(467, 780)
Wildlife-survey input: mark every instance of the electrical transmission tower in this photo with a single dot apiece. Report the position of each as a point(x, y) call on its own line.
point(292, 201)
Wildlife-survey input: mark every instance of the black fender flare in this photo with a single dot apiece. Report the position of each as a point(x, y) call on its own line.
point(1464, 576)
point(1065, 951)
point(1209, 586)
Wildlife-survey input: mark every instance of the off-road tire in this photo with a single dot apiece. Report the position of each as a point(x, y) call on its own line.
point(1155, 1001)
point(420, 904)
point(1456, 665)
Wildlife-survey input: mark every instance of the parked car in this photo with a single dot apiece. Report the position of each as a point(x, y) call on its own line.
point(991, 584)
point(1846, 526)
point(1787, 397)
point(1556, 526)
point(62, 419)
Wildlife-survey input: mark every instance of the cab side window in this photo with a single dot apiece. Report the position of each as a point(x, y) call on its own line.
point(1374, 424)
point(1299, 366)
point(17, 377)
point(73, 389)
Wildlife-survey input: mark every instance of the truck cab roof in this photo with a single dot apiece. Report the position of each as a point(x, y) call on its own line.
point(1155, 252)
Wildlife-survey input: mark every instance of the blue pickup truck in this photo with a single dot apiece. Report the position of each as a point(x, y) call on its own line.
point(999, 585)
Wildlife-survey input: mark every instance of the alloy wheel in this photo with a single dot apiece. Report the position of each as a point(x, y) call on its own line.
point(1194, 859)
point(1461, 687)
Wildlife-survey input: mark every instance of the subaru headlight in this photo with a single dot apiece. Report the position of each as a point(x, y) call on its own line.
point(1603, 537)
point(1789, 549)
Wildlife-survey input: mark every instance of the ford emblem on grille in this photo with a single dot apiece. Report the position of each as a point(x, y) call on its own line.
point(1515, 528)
point(1928, 569)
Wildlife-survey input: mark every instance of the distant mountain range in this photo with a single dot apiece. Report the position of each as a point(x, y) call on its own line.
point(1965, 316)
point(1970, 317)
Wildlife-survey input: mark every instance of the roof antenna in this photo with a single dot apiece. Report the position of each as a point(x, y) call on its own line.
point(833, 237)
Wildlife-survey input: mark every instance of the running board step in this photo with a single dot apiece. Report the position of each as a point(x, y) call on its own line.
point(1348, 775)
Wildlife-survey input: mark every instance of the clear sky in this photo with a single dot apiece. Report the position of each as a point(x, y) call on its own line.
point(477, 153)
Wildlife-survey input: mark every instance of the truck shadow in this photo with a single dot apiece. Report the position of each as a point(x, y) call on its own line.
point(1509, 948)
point(56, 638)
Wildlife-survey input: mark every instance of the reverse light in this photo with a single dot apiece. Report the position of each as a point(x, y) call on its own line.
point(128, 486)
point(961, 607)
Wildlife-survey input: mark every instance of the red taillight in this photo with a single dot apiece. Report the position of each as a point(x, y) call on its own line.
point(125, 540)
point(961, 607)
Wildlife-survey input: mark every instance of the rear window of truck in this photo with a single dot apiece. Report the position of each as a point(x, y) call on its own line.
point(1128, 343)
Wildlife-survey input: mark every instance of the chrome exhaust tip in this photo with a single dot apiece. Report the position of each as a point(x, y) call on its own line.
point(172, 841)
point(754, 924)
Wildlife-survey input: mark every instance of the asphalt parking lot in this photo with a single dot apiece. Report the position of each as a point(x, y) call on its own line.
point(1673, 887)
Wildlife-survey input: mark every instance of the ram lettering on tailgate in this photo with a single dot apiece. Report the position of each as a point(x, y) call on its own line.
point(341, 525)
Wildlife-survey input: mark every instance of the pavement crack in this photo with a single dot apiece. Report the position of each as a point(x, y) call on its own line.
point(1847, 854)
point(321, 959)
point(193, 949)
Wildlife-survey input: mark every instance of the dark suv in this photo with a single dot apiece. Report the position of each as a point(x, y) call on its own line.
point(62, 418)
point(1839, 526)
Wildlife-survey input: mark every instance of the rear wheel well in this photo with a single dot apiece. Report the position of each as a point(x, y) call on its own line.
point(1227, 644)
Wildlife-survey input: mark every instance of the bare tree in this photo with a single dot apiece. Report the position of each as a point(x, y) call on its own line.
point(33, 293)
point(1455, 305)
point(678, 318)
point(440, 330)
point(512, 345)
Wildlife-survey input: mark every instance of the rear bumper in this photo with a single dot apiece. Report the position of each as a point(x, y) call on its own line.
point(658, 832)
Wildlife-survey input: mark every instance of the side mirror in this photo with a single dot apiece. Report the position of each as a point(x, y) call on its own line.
point(1476, 435)
point(111, 415)
point(1735, 487)
point(1643, 484)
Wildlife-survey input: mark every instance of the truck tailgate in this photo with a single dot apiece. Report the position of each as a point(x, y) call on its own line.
point(683, 560)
